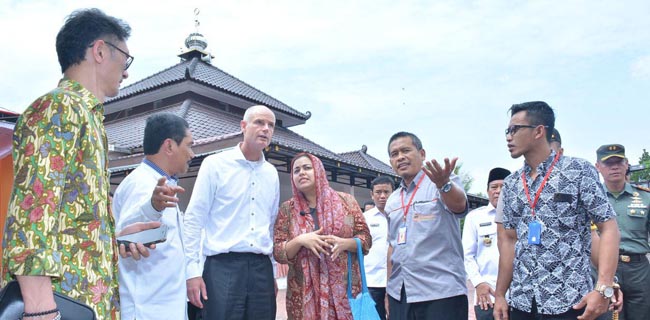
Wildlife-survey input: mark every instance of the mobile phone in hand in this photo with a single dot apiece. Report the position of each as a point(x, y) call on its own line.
point(146, 237)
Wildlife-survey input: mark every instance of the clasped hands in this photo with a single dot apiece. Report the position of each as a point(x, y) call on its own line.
point(328, 245)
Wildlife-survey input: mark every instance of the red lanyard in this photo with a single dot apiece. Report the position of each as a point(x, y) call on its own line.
point(541, 186)
point(406, 209)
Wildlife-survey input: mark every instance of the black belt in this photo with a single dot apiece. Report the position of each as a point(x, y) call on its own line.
point(631, 257)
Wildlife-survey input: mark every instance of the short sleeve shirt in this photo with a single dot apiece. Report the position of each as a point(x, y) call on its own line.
point(633, 217)
point(556, 272)
point(430, 263)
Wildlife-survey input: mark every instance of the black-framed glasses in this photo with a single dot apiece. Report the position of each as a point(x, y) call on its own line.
point(511, 130)
point(129, 58)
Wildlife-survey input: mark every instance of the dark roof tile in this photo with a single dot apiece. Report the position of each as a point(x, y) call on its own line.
point(210, 75)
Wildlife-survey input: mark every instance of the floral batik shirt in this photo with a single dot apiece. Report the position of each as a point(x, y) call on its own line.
point(58, 223)
point(555, 273)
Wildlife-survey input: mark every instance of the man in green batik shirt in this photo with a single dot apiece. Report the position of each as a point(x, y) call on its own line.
point(632, 206)
point(60, 233)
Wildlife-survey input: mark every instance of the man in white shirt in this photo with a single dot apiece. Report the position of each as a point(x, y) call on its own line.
point(235, 201)
point(480, 247)
point(376, 260)
point(151, 288)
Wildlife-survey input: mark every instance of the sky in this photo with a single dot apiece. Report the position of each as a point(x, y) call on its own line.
point(445, 70)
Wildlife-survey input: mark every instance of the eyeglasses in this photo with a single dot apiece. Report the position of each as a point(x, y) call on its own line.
point(129, 58)
point(511, 130)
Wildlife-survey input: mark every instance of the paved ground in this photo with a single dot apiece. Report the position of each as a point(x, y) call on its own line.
point(282, 311)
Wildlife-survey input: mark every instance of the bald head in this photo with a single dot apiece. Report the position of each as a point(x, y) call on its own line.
point(255, 110)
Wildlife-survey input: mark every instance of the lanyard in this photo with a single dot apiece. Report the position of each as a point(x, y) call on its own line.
point(541, 186)
point(406, 209)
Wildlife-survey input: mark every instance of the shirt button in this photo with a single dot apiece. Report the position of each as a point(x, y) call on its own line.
point(252, 229)
point(252, 213)
point(253, 198)
point(251, 244)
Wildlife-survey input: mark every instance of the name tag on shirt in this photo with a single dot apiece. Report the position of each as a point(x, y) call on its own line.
point(534, 233)
point(374, 225)
point(562, 197)
point(418, 217)
point(401, 235)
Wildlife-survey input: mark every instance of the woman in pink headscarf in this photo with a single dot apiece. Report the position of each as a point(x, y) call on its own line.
point(313, 233)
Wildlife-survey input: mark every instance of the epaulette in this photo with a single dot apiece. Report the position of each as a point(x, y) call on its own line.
point(641, 188)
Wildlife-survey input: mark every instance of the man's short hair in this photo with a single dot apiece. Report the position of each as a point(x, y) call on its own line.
point(416, 141)
point(160, 127)
point(81, 29)
point(382, 180)
point(537, 113)
point(368, 203)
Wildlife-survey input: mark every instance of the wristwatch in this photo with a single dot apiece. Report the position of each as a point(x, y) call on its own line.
point(605, 290)
point(446, 187)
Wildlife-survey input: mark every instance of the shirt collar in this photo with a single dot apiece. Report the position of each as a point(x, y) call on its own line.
point(543, 166)
point(415, 180)
point(162, 172)
point(88, 98)
point(629, 189)
point(240, 156)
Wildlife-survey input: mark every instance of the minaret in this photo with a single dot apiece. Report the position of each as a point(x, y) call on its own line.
point(196, 43)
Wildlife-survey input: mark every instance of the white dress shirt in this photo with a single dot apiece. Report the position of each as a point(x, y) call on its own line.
point(236, 202)
point(480, 246)
point(375, 261)
point(151, 287)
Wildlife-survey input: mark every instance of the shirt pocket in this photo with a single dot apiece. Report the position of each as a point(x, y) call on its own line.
point(564, 211)
point(424, 212)
point(637, 223)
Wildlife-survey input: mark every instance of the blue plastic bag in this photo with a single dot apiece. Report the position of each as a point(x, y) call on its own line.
point(363, 307)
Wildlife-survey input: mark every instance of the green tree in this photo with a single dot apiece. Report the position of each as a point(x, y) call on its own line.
point(465, 178)
point(643, 175)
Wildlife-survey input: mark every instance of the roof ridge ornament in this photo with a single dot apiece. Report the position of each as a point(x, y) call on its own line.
point(196, 43)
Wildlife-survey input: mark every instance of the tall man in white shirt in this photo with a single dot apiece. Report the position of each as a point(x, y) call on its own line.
point(235, 200)
point(480, 247)
point(151, 288)
point(375, 262)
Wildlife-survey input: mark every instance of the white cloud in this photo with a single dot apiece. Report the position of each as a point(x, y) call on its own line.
point(640, 68)
point(462, 64)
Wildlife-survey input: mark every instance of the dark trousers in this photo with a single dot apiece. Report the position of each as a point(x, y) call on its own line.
point(239, 286)
point(484, 314)
point(193, 312)
point(453, 308)
point(379, 296)
point(634, 278)
point(571, 314)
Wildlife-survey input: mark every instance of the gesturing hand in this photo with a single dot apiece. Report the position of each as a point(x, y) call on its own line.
point(164, 196)
point(315, 242)
point(438, 174)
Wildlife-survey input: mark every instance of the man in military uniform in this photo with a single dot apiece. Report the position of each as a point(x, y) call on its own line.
point(631, 204)
point(556, 142)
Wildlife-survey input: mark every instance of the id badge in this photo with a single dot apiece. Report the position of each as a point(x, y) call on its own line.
point(401, 235)
point(534, 232)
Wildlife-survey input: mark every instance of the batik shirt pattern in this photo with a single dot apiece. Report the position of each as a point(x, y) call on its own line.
point(556, 272)
point(58, 223)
